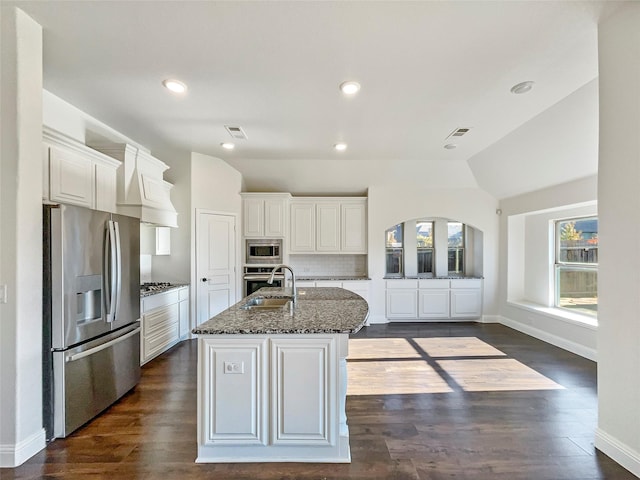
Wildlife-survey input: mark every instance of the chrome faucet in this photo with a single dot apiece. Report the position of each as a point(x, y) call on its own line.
point(293, 278)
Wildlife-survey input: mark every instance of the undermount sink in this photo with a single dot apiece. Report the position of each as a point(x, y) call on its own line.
point(265, 303)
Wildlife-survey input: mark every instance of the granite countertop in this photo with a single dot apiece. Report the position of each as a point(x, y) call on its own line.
point(163, 289)
point(335, 278)
point(317, 310)
point(421, 277)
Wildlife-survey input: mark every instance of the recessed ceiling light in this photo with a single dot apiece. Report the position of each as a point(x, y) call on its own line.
point(523, 87)
point(341, 147)
point(175, 86)
point(451, 146)
point(228, 146)
point(350, 88)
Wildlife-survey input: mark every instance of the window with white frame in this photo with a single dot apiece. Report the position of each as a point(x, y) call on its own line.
point(424, 237)
point(394, 250)
point(576, 264)
point(455, 243)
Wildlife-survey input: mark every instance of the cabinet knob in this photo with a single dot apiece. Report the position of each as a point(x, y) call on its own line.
point(204, 279)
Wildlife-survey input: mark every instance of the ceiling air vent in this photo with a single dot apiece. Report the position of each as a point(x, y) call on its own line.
point(458, 132)
point(236, 132)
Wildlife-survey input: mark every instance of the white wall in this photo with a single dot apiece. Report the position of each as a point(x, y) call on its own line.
point(525, 263)
point(557, 146)
point(390, 205)
point(21, 432)
point(176, 267)
point(215, 186)
point(618, 433)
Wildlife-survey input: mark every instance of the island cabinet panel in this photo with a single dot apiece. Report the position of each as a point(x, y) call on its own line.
point(235, 366)
point(303, 375)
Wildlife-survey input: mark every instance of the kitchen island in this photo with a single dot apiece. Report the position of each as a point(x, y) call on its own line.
point(272, 382)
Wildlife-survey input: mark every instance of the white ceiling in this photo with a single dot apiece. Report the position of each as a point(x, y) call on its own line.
point(274, 67)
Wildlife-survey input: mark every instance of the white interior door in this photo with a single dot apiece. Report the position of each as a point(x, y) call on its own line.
point(215, 264)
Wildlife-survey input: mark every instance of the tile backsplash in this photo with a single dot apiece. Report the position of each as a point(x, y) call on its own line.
point(323, 265)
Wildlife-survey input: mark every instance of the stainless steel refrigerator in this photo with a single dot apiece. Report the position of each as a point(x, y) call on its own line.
point(91, 314)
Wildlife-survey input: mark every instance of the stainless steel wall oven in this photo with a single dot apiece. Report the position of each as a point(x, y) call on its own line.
point(256, 277)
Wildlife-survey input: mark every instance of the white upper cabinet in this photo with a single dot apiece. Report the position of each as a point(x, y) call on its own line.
point(353, 237)
point(76, 174)
point(328, 225)
point(303, 227)
point(264, 214)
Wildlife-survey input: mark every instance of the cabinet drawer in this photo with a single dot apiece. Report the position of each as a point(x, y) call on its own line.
point(157, 343)
point(434, 283)
point(466, 283)
point(402, 284)
point(159, 300)
point(159, 318)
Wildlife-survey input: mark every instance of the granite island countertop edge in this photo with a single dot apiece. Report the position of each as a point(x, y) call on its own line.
point(317, 311)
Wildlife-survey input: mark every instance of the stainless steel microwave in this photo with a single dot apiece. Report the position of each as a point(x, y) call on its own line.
point(264, 250)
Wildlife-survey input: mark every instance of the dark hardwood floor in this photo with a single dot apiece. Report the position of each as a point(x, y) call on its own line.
point(434, 401)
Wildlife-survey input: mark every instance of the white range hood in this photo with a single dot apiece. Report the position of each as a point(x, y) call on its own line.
point(142, 191)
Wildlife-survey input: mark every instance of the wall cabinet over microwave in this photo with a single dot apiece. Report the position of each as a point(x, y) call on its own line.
point(328, 225)
point(264, 214)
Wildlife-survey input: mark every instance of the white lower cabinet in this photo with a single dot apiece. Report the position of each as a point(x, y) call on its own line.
point(433, 299)
point(272, 398)
point(164, 318)
point(402, 299)
point(466, 298)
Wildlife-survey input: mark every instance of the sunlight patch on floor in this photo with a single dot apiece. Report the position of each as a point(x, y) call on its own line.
point(488, 375)
point(391, 366)
point(364, 348)
point(457, 347)
point(393, 378)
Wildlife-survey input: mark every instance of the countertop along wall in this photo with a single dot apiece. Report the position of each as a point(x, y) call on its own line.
point(390, 205)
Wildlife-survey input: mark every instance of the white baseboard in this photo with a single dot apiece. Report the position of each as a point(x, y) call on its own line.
point(618, 451)
point(490, 319)
point(13, 455)
point(563, 343)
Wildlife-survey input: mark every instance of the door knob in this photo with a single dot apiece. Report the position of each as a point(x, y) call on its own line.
point(204, 279)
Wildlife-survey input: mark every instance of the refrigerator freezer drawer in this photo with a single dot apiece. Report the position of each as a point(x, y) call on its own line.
point(89, 381)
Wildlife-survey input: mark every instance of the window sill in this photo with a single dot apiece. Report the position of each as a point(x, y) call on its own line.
point(557, 314)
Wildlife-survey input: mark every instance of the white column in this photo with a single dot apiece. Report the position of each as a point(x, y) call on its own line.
point(618, 433)
point(21, 432)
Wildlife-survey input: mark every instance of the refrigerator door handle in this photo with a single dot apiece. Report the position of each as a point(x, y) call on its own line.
point(110, 343)
point(110, 272)
point(118, 263)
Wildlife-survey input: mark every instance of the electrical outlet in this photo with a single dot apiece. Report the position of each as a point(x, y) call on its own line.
point(3, 294)
point(233, 367)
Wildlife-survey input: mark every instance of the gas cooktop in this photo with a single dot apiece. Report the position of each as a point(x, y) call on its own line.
point(155, 287)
